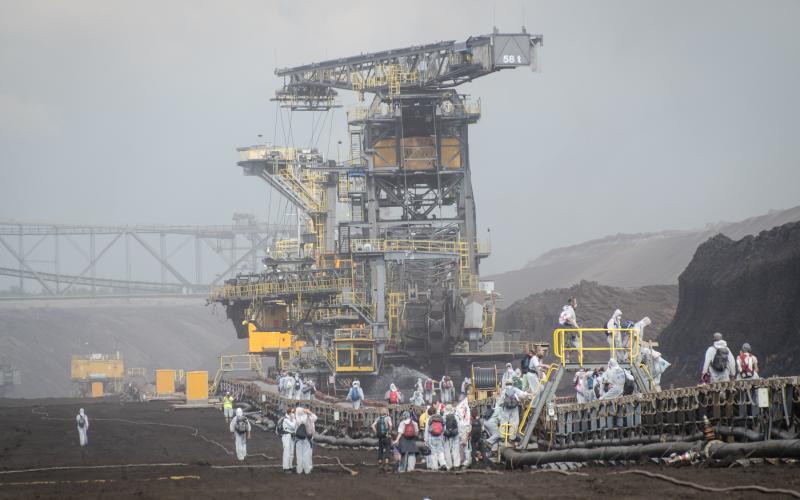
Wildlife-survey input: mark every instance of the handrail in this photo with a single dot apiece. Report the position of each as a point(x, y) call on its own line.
point(560, 348)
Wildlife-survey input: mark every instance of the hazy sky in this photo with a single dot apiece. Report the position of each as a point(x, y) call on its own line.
point(645, 116)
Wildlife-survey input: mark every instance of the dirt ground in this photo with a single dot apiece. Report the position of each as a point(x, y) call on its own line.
point(193, 449)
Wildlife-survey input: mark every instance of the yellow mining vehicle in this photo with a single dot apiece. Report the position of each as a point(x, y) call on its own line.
point(96, 375)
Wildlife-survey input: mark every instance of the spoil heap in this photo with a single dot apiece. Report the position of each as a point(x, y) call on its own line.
point(536, 315)
point(750, 291)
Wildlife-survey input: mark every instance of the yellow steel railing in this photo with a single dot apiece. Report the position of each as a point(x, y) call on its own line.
point(562, 344)
point(352, 334)
point(422, 246)
point(528, 410)
point(280, 287)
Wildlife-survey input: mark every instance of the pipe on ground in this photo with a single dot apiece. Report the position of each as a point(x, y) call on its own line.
point(514, 458)
point(777, 448)
point(351, 442)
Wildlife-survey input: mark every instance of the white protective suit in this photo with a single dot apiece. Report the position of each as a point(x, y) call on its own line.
point(417, 398)
point(393, 388)
point(452, 448)
point(428, 394)
point(288, 387)
point(419, 386)
point(507, 375)
point(436, 460)
point(287, 440)
point(655, 364)
point(465, 384)
point(83, 437)
point(448, 389)
point(356, 394)
point(581, 386)
point(730, 369)
point(492, 426)
point(615, 377)
point(240, 437)
point(298, 388)
point(618, 337)
point(303, 451)
point(508, 406)
point(464, 417)
point(568, 319)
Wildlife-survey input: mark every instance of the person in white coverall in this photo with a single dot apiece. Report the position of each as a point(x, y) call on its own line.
point(287, 439)
point(436, 459)
point(615, 377)
point(240, 427)
point(303, 451)
point(82, 422)
point(729, 367)
point(417, 399)
point(615, 338)
point(507, 408)
point(356, 394)
point(464, 417)
point(452, 448)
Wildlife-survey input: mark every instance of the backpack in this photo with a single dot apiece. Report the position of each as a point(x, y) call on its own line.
point(525, 364)
point(450, 426)
point(590, 382)
point(241, 425)
point(747, 371)
point(720, 361)
point(409, 431)
point(381, 429)
point(476, 428)
point(393, 397)
point(628, 388)
point(297, 385)
point(429, 385)
point(81, 421)
point(509, 401)
point(436, 425)
point(279, 427)
point(354, 395)
point(301, 432)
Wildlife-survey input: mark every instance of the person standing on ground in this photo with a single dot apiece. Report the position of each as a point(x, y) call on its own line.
point(428, 393)
point(746, 364)
point(447, 389)
point(464, 417)
point(356, 394)
point(568, 319)
point(286, 427)
point(434, 438)
point(466, 386)
point(394, 396)
point(227, 407)
point(240, 427)
point(719, 365)
point(417, 399)
point(382, 427)
point(83, 427)
point(406, 441)
point(304, 433)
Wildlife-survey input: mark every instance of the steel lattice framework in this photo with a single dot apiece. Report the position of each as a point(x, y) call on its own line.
point(237, 245)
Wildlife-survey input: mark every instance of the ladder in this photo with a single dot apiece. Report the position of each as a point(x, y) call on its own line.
point(355, 146)
point(534, 411)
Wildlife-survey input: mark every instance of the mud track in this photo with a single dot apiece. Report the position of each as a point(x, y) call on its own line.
point(193, 446)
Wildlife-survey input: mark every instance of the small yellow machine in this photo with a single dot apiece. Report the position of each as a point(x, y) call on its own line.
point(96, 375)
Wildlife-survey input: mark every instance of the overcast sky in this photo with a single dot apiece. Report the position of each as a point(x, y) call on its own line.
point(646, 115)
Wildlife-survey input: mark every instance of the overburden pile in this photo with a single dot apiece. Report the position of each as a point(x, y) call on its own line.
point(749, 290)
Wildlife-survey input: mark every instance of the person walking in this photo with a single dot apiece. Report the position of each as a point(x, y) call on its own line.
point(83, 427)
point(240, 427)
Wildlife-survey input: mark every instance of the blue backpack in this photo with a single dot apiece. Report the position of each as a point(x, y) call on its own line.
point(354, 395)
